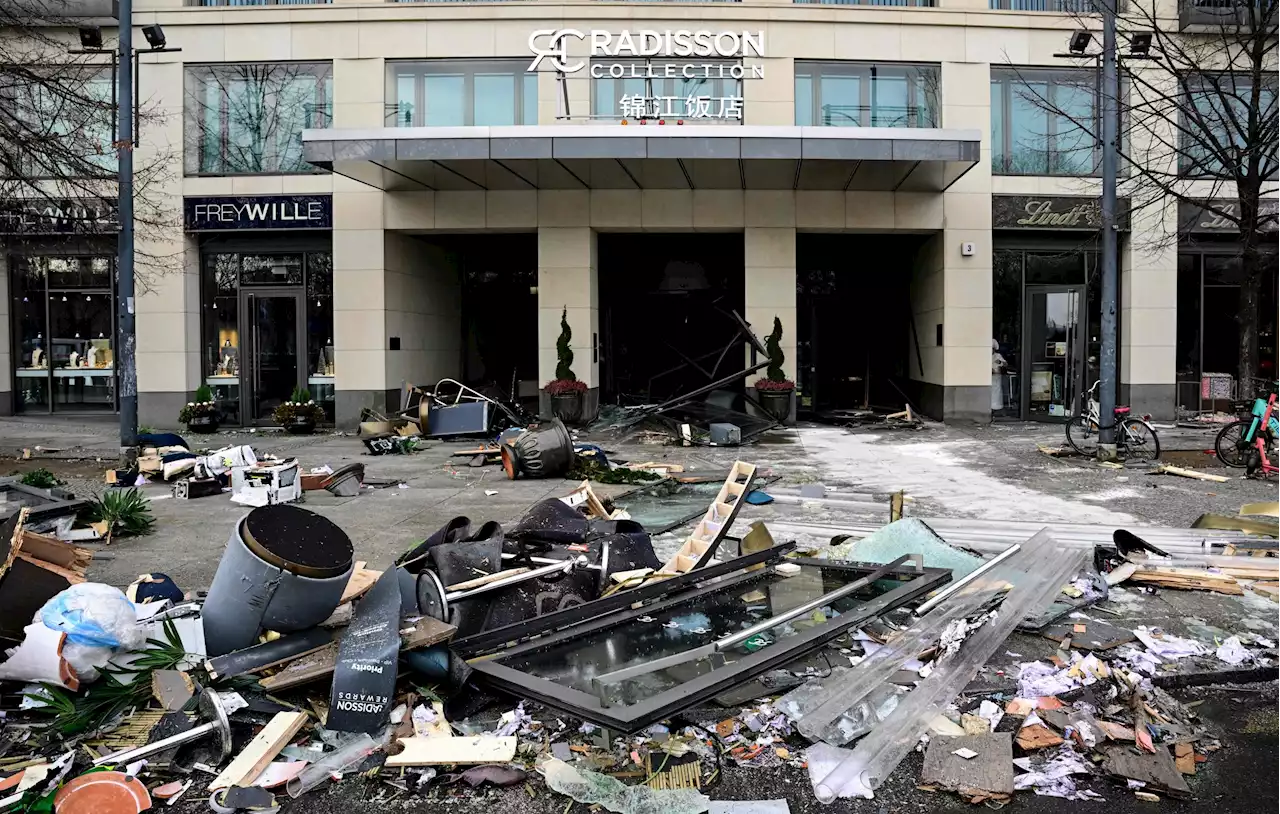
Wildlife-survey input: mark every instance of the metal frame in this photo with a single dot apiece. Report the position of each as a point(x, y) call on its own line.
point(622, 600)
point(631, 717)
point(248, 296)
point(1075, 366)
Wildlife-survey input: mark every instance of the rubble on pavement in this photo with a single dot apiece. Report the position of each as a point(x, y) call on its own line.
point(303, 668)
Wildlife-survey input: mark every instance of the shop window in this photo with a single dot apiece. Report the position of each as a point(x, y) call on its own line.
point(1216, 122)
point(320, 360)
point(64, 333)
point(1036, 122)
point(708, 91)
point(1208, 341)
point(857, 94)
point(461, 93)
point(239, 288)
point(244, 119)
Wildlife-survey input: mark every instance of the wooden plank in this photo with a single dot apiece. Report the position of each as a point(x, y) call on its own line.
point(437, 751)
point(1271, 590)
point(1184, 757)
point(1156, 769)
point(51, 549)
point(361, 581)
point(1191, 473)
point(419, 633)
point(987, 775)
point(486, 579)
point(273, 737)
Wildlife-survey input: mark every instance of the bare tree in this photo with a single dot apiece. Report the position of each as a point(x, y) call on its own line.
point(1199, 127)
point(58, 135)
point(249, 118)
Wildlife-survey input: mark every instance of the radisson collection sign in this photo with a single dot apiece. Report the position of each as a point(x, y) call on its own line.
point(683, 56)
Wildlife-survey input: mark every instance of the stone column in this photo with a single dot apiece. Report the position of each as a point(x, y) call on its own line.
point(966, 280)
point(1149, 313)
point(167, 264)
point(568, 285)
point(769, 257)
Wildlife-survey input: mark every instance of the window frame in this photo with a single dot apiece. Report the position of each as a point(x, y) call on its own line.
point(869, 72)
point(1008, 79)
point(1196, 168)
point(469, 68)
point(196, 81)
point(85, 76)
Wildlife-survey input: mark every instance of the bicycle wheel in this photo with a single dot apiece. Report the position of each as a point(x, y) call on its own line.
point(1137, 441)
point(1230, 445)
point(1082, 435)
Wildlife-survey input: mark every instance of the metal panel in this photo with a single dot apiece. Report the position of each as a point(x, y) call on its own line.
point(849, 149)
point(370, 150)
point(769, 174)
point(920, 150)
point(443, 148)
point(693, 147)
point(563, 148)
point(772, 148)
point(505, 148)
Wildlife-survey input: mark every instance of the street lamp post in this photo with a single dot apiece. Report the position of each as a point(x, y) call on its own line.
point(1110, 93)
point(127, 370)
point(125, 64)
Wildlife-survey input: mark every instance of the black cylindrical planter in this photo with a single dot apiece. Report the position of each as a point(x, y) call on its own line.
point(203, 424)
point(284, 569)
point(776, 402)
point(300, 426)
point(544, 450)
point(568, 406)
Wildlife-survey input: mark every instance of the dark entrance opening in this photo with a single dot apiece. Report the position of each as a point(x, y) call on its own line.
point(853, 320)
point(664, 313)
point(499, 274)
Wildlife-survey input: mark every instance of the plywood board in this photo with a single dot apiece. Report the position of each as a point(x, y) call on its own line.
point(247, 765)
point(988, 774)
point(361, 581)
point(1156, 770)
point(436, 751)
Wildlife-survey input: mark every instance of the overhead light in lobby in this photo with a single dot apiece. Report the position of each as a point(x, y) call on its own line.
point(154, 35)
point(90, 37)
point(1080, 42)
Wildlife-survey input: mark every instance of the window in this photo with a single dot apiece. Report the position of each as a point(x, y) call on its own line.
point(65, 122)
point(1219, 134)
point(249, 118)
point(1036, 122)
point(709, 90)
point(461, 92)
point(857, 94)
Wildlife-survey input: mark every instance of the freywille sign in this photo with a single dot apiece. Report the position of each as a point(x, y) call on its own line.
point(1053, 212)
point(658, 56)
point(58, 217)
point(260, 212)
point(1211, 216)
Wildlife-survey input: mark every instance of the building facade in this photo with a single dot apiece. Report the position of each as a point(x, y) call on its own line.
point(367, 194)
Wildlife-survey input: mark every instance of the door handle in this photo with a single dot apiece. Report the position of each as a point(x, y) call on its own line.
point(253, 348)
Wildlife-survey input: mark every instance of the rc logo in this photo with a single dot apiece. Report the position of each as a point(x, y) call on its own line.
point(556, 50)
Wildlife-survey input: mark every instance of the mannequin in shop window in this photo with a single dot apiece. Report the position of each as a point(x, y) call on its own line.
point(998, 366)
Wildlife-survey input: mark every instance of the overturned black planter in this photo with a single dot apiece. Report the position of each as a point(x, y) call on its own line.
point(284, 569)
point(300, 426)
point(203, 424)
point(543, 450)
point(568, 406)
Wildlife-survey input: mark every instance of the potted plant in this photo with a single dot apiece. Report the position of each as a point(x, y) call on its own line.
point(201, 413)
point(299, 414)
point(566, 392)
point(775, 390)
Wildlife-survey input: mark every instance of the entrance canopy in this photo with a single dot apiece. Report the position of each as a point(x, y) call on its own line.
point(646, 156)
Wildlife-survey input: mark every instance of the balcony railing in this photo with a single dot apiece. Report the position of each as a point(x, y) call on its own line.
point(1233, 13)
point(900, 3)
point(258, 2)
point(1061, 6)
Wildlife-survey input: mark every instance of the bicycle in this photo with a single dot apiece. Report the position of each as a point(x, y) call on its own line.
point(1245, 444)
point(1136, 439)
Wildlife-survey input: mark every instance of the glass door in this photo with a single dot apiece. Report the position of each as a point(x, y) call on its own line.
point(1054, 353)
point(272, 366)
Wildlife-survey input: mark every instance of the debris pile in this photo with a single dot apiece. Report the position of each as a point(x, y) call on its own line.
point(563, 654)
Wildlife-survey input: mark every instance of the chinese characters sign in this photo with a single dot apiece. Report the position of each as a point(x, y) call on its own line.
point(637, 106)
